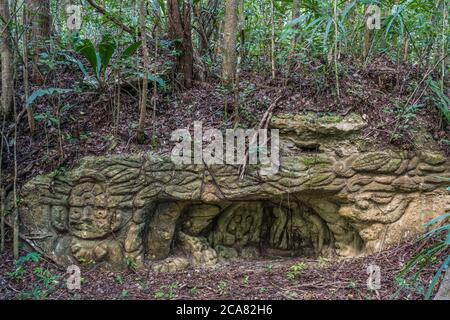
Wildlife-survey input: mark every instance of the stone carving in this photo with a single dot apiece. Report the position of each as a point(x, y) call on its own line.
point(333, 194)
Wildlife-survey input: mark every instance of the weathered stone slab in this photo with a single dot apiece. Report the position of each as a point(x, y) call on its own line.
point(338, 199)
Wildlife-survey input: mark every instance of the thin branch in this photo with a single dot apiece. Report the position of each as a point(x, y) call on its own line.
point(111, 18)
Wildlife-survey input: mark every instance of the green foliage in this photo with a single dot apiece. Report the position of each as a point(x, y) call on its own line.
point(323, 262)
point(45, 276)
point(31, 256)
point(405, 117)
point(119, 280)
point(222, 287)
point(167, 291)
point(125, 294)
point(100, 58)
point(60, 171)
point(268, 267)
point(19, 272)
point(428, 257)
point(194, 291)
point(47, 117)
point(131, 263)
point(42, 92)
point(296, 269)
point(46, 280)
point(440, 99)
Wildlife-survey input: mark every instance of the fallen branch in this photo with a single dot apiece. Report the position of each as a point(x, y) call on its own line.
point(214, 181)
point(111, 18)
point(263, 124)
point(34, 246)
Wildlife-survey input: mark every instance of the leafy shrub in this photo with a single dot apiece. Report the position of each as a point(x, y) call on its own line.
point(429, 255)
point(100, 58)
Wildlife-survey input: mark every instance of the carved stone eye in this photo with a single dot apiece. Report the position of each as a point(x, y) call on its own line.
point(59, 217)
point(101, 213)
point(75, 213)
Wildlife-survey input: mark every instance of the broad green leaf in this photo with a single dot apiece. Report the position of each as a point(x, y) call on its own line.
point(106, 49)
point(78, 63)
point(42, 92)
point(436, 277)
point(443, 101)
point(436, 230)
point(130, 50)
point(160, 81)
point(86, 48)
point(154, 78)
point(441, 217)
point(327, 31)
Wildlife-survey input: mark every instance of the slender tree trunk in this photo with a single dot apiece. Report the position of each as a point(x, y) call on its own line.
point(31, 122)
point(405, 48)
point(7, 59)
point(2, 195)
point(16, 229)
point(229, 42)
point(241, 25)
point(188, 56)
point(242, 29)
point(336, 35)
point(143, 102)
point(272, 40)
point(155, 89)
point(39, 17)
point(2, 219)
point(180, 31)
point(111, 17)
point(204, 41)
point(368, 35)
point(444, 41)
point(295, 15)
point(219, 40)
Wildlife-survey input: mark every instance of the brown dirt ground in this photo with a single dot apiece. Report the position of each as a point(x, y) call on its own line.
point(230, 280)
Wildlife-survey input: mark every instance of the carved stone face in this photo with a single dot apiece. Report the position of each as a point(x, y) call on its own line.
point(89, 214)
point(239, 225)
point(59, 218)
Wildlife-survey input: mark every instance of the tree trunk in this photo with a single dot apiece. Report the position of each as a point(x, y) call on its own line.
point(26, 84)
point(242, 29)
point(39, 18)
point(295, 15)
point(272, 40)
point(368, 35)
point(444, 42)
point(180, 32)
point(7, 62)
point(143, 101)
point(2, 218)
point(336, 56)
point(229, 43)
point(204, 41)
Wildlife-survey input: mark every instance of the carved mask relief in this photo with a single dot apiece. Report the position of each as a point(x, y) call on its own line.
point(90, 216)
